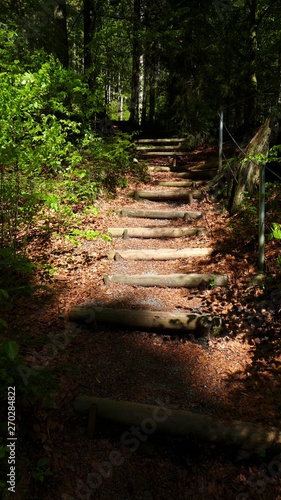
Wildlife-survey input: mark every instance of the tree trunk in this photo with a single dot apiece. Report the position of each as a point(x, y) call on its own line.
point(251, 116)
point(145, 91)
point(247, 172)
point(150, 419)
point(152, 86)
point(89, 32)
point(131, 318)
point(135, 87)
point(155, 232)
point(168, 280)
point(60, 28)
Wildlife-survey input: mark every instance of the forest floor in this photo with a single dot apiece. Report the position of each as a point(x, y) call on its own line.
point(233, 375)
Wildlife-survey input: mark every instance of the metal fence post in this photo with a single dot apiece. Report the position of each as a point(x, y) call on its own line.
point(221, 137)
point(261, 216)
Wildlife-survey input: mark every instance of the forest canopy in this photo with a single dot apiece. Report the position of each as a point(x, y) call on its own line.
point(157, 63)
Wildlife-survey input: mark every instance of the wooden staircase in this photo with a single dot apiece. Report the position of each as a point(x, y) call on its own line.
point(172, 148)
point(180, 193)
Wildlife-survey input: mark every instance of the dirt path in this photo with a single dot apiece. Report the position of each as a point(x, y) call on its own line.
point(233, 375)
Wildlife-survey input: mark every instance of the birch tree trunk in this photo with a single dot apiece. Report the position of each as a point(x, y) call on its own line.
point(135, 86)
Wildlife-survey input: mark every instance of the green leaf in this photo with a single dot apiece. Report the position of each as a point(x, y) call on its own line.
point(3, 323)
point(11, 349)
point(4, 294)
point(43, 461)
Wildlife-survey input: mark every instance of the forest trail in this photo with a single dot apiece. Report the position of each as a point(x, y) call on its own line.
point(215, 361)
point(168, 232)
point(171, 343)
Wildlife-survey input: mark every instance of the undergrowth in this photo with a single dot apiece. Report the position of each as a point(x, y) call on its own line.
point(53, 167)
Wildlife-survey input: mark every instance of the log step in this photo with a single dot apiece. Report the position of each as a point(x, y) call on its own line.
point(180, 184)
point(164, 153)
point(143, 318)
point(174, 140)
point(202, 175)
point(160, 214)
point(168, 280)
point(185, 173)
point(159, 149)
point(176, 422)
point(159, 254)
point(159, 169)
point(155, 232)
point(168, 195)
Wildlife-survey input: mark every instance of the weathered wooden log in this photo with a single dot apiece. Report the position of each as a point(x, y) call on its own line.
point(160, 141)
point(159, 254)
point(164, 153)
point(155, 232)
point(204, 166)
point(159, 169)
point(180, 184)
point(162, 418)
point(200, 175)
point(159, 148)
point(160, 214)
point(192, 280)
point(172, 194)
point(142, 318)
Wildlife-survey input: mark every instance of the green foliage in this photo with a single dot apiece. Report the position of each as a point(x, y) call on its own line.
point(112, 158)
point(249, 213)
point(88, 234)
point(15, 273)
point(276, 231)
point(42, 470)
point(35, 125)
point(3, 297)
point(33, 384)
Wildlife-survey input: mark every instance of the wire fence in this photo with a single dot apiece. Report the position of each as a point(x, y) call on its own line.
point(262, 166)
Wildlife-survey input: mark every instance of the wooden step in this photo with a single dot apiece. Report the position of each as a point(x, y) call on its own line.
point(161, 141)
point(159, 169)
point(159, 254)
point(155, 232)
point(160, 214)
point(202, 175)
point(160, 149)
point(180, 184)
point(168, 280)
point(184, 173)
point(165, 153)
point(142, 318)
point(231, 434)
point(168, 195)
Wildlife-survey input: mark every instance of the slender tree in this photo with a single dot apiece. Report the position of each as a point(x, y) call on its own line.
point(60, 29)
point(135, 84)
point(90, 22)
